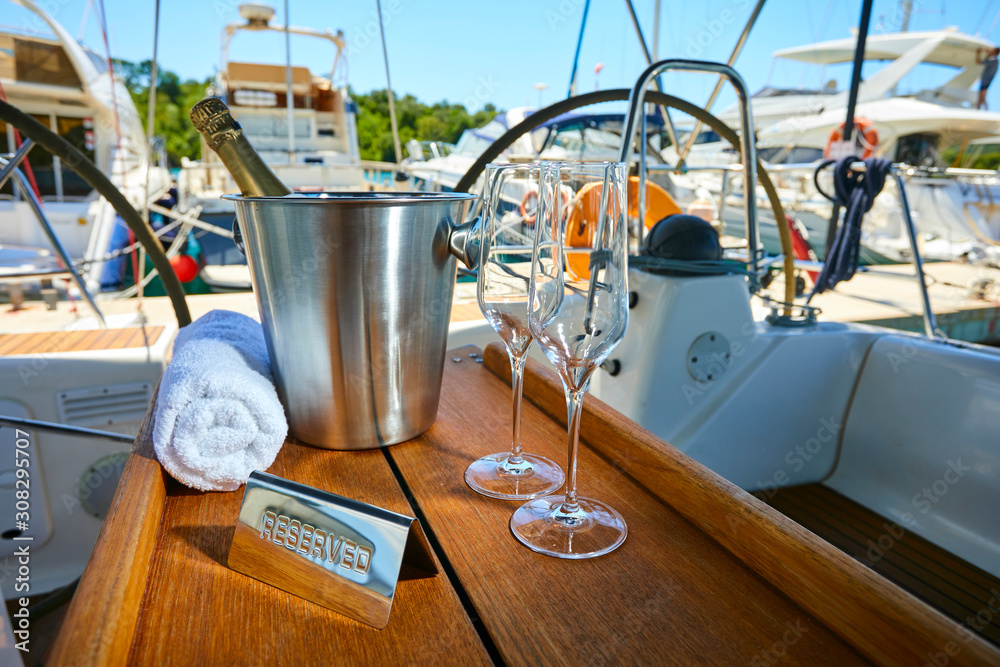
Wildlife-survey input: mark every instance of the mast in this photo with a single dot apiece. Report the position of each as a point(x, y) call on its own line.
point(576, 55)
point(751, 21)
point(656, 30)
point(289, 92)
point(907, 7)
point(388, 82)
point(859, 60)
point(671, 131)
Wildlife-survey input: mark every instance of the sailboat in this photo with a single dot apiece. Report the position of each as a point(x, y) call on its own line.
point(953, 207)
point(897, 429)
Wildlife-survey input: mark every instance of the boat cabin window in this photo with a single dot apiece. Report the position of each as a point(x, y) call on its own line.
point(707, 137)
point(919, 149)
point(55, 180)
point(40, 62)
point(271, 126)
point(266, 86)
point(475, 142)
point(80, 133)
point(790, 155)
point(255, 98)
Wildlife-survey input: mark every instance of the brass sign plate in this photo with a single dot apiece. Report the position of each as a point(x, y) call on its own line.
point(337, 552)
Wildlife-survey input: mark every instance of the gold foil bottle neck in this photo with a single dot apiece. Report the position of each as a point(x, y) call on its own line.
point(212, 118)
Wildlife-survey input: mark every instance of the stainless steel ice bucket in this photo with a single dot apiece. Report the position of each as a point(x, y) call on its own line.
point(354, 292)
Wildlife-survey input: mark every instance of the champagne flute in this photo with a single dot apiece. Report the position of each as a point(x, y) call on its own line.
point(577, 311)
point(509, 201)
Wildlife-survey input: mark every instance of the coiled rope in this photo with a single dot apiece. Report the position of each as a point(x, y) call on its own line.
point(856, 192)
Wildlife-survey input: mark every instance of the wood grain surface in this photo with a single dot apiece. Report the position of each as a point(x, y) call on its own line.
point(953, 586)
point(196, 611)
point(708, 574)
point(887, 624)
point(669, 595)
point(78, 341)
point(100, 622)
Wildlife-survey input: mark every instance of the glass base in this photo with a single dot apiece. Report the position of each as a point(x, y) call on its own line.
point(593, 530)
point(495, 476)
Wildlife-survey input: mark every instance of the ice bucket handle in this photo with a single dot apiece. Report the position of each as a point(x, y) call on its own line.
point(463, 241)
point(238, 236)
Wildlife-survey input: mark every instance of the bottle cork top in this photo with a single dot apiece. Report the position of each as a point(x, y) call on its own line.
point(211, 117)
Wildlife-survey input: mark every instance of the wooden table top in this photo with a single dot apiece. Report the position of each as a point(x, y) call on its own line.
point(707, 575)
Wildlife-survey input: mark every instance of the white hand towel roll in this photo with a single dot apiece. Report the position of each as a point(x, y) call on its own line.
point(218, 417)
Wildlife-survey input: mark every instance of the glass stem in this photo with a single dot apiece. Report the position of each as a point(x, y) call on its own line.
point(574, 406)
point(517, 384)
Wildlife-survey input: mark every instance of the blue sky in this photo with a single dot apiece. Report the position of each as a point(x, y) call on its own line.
point(478, 52)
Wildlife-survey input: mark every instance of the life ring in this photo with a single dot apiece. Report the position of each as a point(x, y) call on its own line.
point(584, 213)
point(529, 202)
point(866, 137)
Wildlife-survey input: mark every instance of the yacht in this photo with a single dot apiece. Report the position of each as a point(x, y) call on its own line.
point(72, 90)
point(569, 136)
point(953, 207)
point(861, 415)
point(311, 145)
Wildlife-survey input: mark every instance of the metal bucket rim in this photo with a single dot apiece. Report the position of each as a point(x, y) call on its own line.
point(358, 197)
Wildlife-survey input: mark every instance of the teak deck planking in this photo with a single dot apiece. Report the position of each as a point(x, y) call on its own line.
point(708, 574)
point(78, 341)
point(958, 588)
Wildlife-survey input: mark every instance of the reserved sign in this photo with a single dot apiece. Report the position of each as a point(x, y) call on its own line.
point(337, 552)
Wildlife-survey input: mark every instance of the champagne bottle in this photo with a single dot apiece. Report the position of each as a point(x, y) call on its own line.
point(224, 135)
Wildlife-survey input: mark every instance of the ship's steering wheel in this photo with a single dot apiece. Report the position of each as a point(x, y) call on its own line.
point(87, 170)
point(619, 95)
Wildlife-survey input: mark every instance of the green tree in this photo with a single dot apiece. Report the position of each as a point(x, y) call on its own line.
point(174, 99)
point(441, 121)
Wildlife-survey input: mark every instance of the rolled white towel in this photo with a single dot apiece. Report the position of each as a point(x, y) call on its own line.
point(218, 417)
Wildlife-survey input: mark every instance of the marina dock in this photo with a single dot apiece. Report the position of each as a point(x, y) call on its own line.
point(965, 299)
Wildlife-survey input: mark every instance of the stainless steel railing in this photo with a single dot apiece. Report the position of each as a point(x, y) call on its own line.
point(10, 169)
point(636, 105)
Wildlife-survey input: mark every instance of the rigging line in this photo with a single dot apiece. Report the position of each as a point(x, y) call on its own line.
point(289, 89)
point(819, 33)
point(150, 119)
point(994, 24)
point(118, 130)
point(982, 18)
point(83, 21)
point(809, 21)
point(392, 105)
